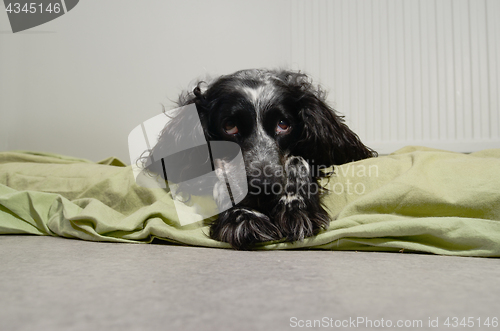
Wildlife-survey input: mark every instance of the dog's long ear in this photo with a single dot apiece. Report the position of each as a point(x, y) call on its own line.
point(183, 129)
point(324, 138)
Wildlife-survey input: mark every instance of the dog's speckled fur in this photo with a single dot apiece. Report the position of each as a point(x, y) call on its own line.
point(257, 105)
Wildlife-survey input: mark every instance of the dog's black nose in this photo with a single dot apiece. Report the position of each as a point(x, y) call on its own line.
point(260, 185)
point(265, 179)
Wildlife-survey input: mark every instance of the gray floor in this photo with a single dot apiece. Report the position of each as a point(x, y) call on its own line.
point(61, 284)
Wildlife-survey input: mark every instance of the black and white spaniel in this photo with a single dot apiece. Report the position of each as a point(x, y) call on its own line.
point(287, 135)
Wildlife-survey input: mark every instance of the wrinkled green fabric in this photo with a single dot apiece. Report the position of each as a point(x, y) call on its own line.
point(417, 199)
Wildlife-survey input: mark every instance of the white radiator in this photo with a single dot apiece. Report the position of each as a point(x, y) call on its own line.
point(406, 72)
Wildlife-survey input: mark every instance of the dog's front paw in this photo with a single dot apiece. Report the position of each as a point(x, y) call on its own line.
point(242, 227)
point(299, 218)
point(299, 213)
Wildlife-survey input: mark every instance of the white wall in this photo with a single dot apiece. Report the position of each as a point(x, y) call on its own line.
point(77, 85)
point(406, 72)
point(403, 72)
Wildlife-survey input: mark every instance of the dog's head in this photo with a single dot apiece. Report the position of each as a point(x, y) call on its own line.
point(271, 115)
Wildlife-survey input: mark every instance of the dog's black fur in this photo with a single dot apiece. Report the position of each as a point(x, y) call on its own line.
point(286, 132)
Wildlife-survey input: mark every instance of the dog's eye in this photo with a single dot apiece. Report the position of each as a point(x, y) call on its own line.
point(230, 127)
point(282, 127)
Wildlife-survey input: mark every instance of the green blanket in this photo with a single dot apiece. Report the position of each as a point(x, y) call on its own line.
point(415, 200)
